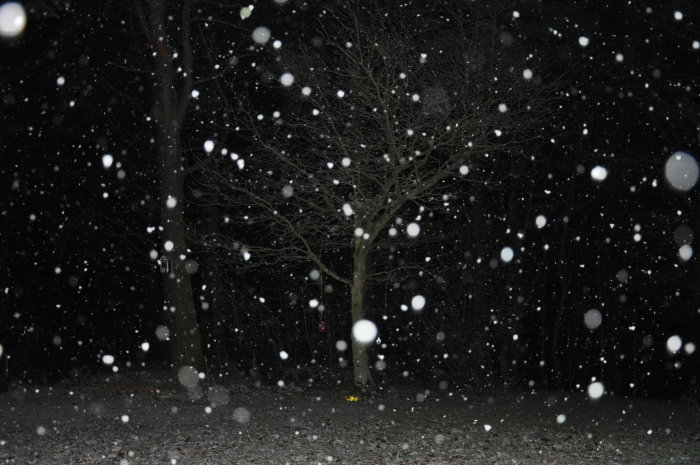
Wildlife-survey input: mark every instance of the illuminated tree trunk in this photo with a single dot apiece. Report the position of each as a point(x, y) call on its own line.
point(360, 357)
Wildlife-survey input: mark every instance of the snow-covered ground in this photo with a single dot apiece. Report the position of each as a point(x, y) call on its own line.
point(121, 422)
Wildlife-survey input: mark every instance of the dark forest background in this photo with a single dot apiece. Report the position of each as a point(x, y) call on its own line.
point(78, 273)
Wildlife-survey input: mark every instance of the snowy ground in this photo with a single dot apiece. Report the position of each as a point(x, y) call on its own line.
point(121, 422)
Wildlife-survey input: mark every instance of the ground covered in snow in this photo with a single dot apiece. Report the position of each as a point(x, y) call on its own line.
point(139, 420)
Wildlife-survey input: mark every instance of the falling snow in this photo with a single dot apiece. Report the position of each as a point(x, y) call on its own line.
point(287, 79)
point(261, 35)
point(289, 232)
point(413, 229)
point(593, 318)
point(364, 331)
point(681, 171)
point(599, 173)
point(13, 19)
point(507, 254)
point(418, 302)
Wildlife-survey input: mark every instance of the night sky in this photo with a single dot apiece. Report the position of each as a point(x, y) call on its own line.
point(562, 256)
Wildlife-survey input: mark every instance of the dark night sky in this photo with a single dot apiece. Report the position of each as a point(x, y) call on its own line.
point(75, 268)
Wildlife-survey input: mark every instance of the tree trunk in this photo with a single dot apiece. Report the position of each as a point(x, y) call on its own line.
point(360, 358)
point(4, 337)
point(563, 277)
point(504, 366)
point(4, 302)
point(5, 288)
point(186, 346)
point(171, 106)
point(213, 318)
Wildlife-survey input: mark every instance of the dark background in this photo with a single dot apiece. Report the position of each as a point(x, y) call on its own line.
point(77, 280)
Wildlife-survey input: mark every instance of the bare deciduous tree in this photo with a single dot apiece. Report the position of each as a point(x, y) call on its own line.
point(385, 111)
point(180, 59)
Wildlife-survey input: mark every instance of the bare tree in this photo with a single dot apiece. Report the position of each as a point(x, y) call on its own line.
point(179, 57)
point(384, 113)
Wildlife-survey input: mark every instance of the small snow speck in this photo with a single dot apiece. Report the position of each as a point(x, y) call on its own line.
point(596, 390)
point(674, 343)
point(364, 331)
point(599, 173)
point(507, 254)
point(681, 171)
point(241, 415)
point(413, 229)
point(107, 160)
point(287, 79)
point(540, 221)
point(287, 191)
point(341, 345)
point(162, 333)
point(418, 302)
point(13, 19)
point(592, 318)
point(261, 35)
point(685, 252)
